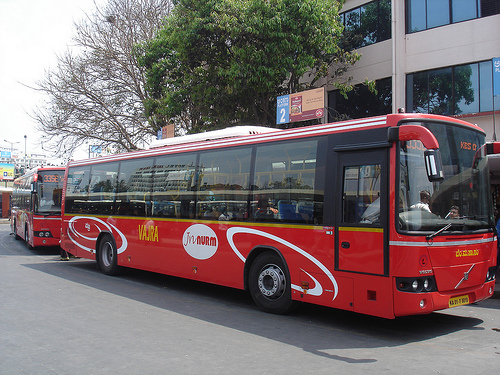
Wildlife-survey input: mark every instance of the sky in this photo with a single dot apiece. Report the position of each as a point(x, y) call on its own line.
point(32, 34)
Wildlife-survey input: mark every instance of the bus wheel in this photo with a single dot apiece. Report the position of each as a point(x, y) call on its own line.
point(27, 237)
point(107, 256)
point(269, 284)
point(14, 230)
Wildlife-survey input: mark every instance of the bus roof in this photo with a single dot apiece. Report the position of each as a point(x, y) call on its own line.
point(241, 135)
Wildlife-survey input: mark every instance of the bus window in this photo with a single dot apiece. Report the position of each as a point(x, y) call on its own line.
point(361, 194)
point(102, 188)
point(77, 189)
point(173, 183)
point(284, 182)
point(134, 187)
point(223, 184)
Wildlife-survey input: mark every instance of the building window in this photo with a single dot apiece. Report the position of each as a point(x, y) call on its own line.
point(450, 91)
point(427, 14)
point(361, 102)
point(367, 24)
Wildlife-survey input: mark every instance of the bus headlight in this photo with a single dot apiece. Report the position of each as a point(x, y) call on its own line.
point(43, 234)
point(490, 275)
point(416, 284)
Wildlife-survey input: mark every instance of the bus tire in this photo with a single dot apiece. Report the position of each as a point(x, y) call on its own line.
point(27, 237)
point(14, 230)
point(107, 256)
point(269, 284)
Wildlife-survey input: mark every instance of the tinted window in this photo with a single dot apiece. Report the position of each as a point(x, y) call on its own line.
point(416, 16)
point(223, 184)
point(361, 194)
point(367, 24)
point(426, 14)
point(102, 188)
point(457, 90)
point(463, 10)
point(174, 185)
point(134, 187)
point(77, 189)
point(361, 102)
point(284, 183)
point(438, 13)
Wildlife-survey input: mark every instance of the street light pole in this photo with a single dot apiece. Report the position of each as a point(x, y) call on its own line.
point(11, 146)
point(25, 155)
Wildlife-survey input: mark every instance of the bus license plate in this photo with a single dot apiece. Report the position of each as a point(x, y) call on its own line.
point(458, 301)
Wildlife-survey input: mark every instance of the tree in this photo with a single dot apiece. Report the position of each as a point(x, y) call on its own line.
point(220, 62)
point(96, 93)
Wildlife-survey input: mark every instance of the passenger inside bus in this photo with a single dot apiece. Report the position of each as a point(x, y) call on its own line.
point(423, 204)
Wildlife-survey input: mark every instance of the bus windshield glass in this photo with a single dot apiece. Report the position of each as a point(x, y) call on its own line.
point(460, 202)
point(49, 192)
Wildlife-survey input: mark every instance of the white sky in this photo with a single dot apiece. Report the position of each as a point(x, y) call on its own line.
point(32, 33)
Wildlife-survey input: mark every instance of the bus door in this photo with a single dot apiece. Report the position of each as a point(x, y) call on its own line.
point(362, 214)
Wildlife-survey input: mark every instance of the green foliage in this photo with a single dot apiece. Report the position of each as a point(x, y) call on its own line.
point(219, 62)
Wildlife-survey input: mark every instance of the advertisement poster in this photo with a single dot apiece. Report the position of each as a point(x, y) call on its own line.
point(302, 106)
point(6, 171)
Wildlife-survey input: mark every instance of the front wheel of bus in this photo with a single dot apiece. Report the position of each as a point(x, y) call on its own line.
point(27, 238)
point(269, 284)
point(107, 256)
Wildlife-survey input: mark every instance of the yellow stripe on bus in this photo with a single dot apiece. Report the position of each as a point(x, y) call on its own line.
point(351, 229)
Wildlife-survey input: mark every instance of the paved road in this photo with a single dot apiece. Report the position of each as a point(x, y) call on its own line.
point(68, 318)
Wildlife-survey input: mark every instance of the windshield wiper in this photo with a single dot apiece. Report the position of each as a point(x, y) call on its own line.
point(431, 236)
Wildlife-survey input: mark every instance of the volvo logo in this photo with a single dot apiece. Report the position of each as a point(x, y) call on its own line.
point(466, 276)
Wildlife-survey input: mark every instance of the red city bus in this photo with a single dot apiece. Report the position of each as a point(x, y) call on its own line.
point(36, 206)
point(327, 214)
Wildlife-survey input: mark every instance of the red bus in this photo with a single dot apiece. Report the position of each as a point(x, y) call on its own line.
point(36, 206)
point(327, 214)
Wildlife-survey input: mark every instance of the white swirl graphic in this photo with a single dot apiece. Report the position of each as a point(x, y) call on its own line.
point(317, 290)
point(76, 236)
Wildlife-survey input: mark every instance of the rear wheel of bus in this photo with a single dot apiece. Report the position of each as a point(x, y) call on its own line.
point(269, 284)
point(107, 256)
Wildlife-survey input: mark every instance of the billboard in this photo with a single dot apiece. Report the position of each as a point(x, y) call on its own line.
point(6, 171)
point(496, 76)
point(301, 106)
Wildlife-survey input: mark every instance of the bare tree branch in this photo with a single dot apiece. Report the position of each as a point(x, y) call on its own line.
point(96, 92)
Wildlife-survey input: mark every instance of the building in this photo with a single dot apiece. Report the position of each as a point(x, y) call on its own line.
point(427, 56)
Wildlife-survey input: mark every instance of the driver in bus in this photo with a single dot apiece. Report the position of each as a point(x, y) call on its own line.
point(423, 204)
point(453, 214)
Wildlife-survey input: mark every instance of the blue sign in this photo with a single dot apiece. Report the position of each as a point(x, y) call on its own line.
point(283, 110)
point(496, 76)
point(96, 149)
point(6, 154)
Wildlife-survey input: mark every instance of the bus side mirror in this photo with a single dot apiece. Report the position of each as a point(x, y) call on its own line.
point(492, 148)
point(434, 165)
point(432, 156)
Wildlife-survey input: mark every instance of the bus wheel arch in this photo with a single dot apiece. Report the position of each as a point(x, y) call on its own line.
point(14, 230)
point(267, 278)
point(106, 254)
point(27, 236)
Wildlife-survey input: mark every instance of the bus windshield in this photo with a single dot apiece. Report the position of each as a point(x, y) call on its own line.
point(460, 202)
point(49, 192)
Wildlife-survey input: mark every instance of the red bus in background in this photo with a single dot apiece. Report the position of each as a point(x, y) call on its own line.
point(387, 216)
point(36, 206)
